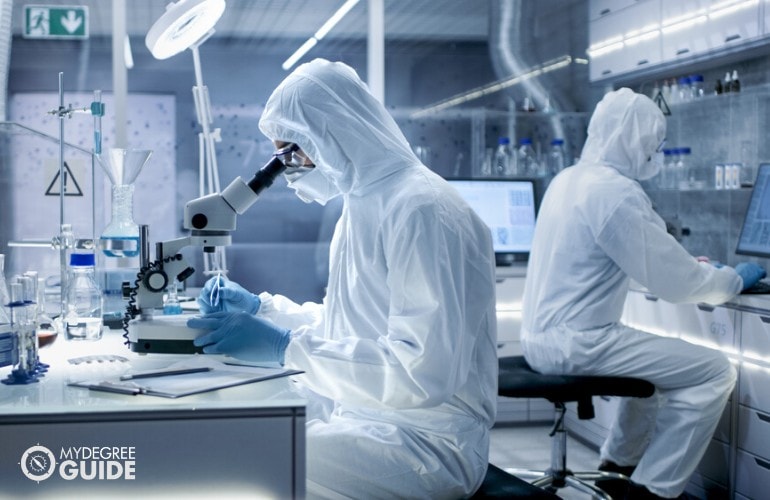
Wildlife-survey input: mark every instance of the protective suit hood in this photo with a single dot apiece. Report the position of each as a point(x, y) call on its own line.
point(625, 131)
point(326, 109)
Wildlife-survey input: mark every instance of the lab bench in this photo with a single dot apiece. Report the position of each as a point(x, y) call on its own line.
point(509, 290)
point(58, 440)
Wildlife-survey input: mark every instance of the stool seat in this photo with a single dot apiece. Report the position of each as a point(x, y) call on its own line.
point(516, 379)
point(499, 484)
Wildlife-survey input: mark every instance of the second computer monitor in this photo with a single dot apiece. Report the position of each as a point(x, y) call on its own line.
point(508, 207)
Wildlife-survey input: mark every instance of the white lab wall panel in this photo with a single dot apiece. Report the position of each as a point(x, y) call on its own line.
point(34, 166)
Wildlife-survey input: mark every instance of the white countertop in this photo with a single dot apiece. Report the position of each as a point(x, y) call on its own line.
point(51, 394)
point(759, 303)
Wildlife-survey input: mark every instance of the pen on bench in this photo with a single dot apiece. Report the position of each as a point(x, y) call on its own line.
point(163, 373)
point(108, 387)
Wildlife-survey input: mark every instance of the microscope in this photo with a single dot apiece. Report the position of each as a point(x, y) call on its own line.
point(210, 220)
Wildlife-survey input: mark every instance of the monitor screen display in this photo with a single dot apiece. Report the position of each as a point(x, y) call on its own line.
point(507, 206)
point(755, 233)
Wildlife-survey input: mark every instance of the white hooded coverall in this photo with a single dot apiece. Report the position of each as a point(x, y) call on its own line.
point(400, 359)
point(596, 229)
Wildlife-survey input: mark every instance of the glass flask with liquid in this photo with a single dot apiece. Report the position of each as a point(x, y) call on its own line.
point(84, 300)
point(121, 236)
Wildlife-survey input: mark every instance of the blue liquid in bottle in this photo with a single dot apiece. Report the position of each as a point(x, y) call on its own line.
point(120, 246)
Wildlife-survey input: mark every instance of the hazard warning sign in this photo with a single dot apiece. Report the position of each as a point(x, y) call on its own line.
point(64, 181)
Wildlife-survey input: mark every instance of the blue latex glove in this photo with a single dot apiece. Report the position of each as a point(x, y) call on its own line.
point(241, 335)
point(221, 294)
point(750, 273)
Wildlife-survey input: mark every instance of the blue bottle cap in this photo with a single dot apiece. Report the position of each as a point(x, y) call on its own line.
point(525, 140)
point(503, 140)
point(82, 259)
point(557, 142)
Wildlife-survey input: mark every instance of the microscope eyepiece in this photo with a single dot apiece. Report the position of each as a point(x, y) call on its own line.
point(265, 176)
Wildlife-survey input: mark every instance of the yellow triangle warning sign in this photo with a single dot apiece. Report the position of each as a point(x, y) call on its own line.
point(71, 186)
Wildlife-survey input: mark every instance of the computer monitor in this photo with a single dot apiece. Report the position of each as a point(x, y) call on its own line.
point(755, 233)
point(508, 207)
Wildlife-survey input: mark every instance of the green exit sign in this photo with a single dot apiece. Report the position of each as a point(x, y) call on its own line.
point(59, 21)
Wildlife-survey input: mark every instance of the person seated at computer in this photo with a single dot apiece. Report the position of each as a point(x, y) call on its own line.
point(597, 230)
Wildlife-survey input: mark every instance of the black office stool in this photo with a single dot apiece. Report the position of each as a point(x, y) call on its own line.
point(517, 380)
point(500, 484)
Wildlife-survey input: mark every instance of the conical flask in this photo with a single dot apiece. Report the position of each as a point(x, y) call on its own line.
point(121, 236)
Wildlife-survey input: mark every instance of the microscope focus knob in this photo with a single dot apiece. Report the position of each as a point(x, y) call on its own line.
point(156, 281)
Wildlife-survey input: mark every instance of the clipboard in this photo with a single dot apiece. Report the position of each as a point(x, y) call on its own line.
point(185, 378)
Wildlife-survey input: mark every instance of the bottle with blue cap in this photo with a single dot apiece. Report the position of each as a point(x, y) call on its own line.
point(527, 160)
point(504, 163)
point(83, 319)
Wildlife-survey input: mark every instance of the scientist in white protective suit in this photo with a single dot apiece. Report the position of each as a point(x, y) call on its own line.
point(596, 230)
point(400, 359)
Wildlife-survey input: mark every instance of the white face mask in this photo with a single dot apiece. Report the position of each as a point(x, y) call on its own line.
point(292, 173)
point(311, 185)
point(652, 167)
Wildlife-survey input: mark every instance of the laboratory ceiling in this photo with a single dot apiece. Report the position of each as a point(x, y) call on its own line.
point(265, 21)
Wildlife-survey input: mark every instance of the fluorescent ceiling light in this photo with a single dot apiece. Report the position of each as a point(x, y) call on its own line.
point(604, 43)
point(322, 32)
point(643, 30)
point(641, 38)
point(606, 49)
point(683, 17)
point(497, 86)
point(732, 3)
point(671, 28)
point(725, 8)
point(183, 25)
point(296, 56)
point(336, 17)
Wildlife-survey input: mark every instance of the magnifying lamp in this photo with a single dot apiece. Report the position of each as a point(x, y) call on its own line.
point(186, 24)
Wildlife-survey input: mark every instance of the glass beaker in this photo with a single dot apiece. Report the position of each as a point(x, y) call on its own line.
point(121, 236)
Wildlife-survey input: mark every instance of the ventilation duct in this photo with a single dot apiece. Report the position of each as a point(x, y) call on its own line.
point(524, 34)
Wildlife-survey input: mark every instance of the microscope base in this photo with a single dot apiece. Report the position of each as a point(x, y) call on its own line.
point(164, 334)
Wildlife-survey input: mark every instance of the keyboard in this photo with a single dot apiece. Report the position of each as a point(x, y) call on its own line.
point(759, 287)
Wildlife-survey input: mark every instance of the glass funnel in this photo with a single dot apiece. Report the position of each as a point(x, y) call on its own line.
point(121, 236)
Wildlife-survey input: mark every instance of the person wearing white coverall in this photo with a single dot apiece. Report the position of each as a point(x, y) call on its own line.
point(400, 359)
point(596, 229)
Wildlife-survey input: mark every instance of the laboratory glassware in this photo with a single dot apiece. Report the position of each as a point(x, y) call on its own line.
point(556, 157)
point(5, 299)
point(528, 165)
point(24, 369)
point(504, 161)
point(171, 303)
point(121, 236)
point(83, 320)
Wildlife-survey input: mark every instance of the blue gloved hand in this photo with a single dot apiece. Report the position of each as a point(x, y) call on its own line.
point(241, 335)
point(221, 294)
point(750, 273)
